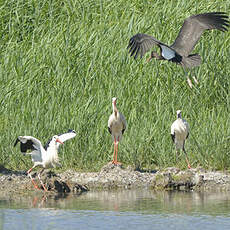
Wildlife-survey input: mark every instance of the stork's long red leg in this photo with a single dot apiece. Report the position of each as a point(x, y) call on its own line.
point(33, 182)
point(189, 166)
point(116, 162)
point(114, 150)
point(39, 177)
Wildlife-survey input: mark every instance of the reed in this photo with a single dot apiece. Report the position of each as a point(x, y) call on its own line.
point(61, 63)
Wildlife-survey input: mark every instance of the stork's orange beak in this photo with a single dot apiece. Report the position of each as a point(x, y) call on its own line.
point(57, 140)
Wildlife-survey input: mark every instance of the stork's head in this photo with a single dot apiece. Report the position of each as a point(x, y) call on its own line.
point(114, 100)
point(56, 139)
point(178, 112)
point(155, 55)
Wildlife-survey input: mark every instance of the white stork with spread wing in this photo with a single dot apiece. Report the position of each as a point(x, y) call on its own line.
point(47, 156)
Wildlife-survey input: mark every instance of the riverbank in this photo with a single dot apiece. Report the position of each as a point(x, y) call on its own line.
point(116, 177)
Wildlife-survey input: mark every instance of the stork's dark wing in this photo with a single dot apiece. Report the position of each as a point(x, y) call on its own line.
point(139, 44)
point(27, 143)
point(123, 130)
point(193, 28)
point(109, 129)
point(173, 137)
point(187, 135)
point(123, 122)
point(25, 146)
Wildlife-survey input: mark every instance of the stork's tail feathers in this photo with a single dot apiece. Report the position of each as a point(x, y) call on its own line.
point(191, 61)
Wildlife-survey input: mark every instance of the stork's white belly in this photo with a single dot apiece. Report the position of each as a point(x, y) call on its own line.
point(116, 124)
point(51, 158)
point(180, 136)
point(180, 130)
point(117, 127)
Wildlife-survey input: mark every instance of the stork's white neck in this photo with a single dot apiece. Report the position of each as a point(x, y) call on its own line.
point(167, 53)
point(53, 146)
point(114, 109)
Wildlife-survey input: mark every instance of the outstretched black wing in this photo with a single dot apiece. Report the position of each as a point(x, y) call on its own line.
point(193, 28)
point(139, 44)
point(24, 146)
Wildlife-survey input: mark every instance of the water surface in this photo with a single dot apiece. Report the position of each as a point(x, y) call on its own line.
point(126, 209)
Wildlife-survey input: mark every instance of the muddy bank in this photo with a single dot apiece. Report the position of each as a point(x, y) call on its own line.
point(115, 177)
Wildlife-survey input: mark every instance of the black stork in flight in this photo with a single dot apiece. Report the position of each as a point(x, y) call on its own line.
point(180, 51)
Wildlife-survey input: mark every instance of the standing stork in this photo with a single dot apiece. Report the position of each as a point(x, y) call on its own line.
point(47, 156)
point(180, 51)
point(179, 133)
point(116, 126)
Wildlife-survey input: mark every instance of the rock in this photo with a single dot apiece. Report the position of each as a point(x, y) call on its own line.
point(78, 189)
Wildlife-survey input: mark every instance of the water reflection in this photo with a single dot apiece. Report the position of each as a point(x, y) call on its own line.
point(114, 210)
point(143, 201)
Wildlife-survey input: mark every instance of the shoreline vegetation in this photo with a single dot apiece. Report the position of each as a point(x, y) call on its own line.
point(61, 63)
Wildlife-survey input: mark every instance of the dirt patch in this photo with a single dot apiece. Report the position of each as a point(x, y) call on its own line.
point(113, 177)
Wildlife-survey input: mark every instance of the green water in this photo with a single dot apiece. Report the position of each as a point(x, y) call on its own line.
point(126, 209)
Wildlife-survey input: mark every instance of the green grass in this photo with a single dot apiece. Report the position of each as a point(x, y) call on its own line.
point(61, 62)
